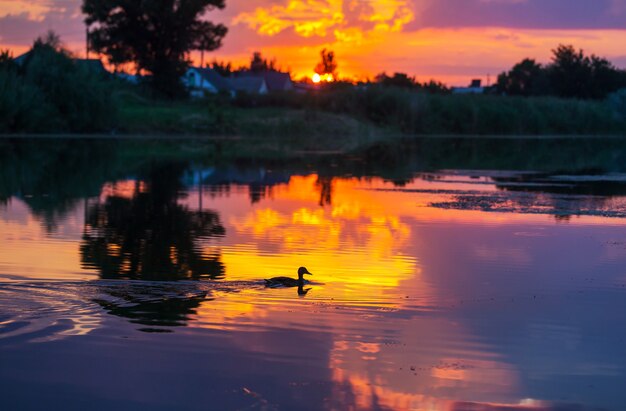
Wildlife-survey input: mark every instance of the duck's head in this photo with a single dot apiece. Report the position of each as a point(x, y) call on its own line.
point(302, 271)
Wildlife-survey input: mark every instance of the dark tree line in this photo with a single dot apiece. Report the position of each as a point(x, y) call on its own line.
point(570, 74)
point(258, 64)
point(403, 80)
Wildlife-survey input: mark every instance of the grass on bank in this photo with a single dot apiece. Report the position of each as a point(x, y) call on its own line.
point(266, 127)
point(373, 113)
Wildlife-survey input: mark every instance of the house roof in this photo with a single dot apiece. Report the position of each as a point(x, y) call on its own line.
point(250, 84)
point(278, 81)
point(274, 80)
point(21, 59)
point(216, 79)
point(93, 65)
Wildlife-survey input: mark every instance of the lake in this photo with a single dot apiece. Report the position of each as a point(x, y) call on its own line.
point(448, 274)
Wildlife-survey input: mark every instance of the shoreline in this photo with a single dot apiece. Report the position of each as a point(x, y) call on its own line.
point(239, 138)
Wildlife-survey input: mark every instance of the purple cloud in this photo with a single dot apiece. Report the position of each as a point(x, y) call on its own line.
point(530, 14)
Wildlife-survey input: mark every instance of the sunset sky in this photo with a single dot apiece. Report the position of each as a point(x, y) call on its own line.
point(449, 40)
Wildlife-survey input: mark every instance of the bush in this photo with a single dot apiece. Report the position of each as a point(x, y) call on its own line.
point(50, 92)
point(22, 106)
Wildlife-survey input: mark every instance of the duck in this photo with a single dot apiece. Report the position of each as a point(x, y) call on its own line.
point(288, 281)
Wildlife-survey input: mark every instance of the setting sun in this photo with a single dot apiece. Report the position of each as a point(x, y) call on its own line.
point(326, 78)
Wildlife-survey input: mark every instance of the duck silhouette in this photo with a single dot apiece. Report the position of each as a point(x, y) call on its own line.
point(288, 281)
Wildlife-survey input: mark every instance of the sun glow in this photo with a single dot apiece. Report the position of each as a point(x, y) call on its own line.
point(324, 78)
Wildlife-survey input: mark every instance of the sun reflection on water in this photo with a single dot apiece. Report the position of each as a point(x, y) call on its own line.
point(353, 243)
point(380, 303)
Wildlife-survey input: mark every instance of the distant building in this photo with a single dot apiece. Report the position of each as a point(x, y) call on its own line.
point(278, 81)
point(203, 81)
point(249, 84)
point(475, 87)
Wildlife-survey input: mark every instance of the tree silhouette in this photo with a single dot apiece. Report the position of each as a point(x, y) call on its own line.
point(205, 42)
point(155, 35)
point(259, 64)
point(50, 39)
point(222, 67)
point(328, 64)
point(527, 78)
point(150, 235)
point(325, 185)
point(571, 74)
point(401, 80)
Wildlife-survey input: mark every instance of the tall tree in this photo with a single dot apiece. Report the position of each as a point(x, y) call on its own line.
point(206, 42)
point(328, 64)
point(570, 72)
point(155, 35)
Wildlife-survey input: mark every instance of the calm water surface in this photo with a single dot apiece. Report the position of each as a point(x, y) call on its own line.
point(132, 278)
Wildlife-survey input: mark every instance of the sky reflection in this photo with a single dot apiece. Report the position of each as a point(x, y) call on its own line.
point(411, 306)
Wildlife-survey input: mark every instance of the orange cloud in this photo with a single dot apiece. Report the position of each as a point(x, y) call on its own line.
point(345, 20)
point(450, 55)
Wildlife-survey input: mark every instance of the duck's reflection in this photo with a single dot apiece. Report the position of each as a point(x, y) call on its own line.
point(303, 291)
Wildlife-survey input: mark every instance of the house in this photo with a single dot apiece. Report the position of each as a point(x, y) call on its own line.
point(203, 81)
point(94, 66)
point(475, 87)
point(278, 81)
point(249, 84)
point(274, 80)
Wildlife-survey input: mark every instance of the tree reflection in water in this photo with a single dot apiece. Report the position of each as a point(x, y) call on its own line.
point(152, 305)
point(150, 236)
